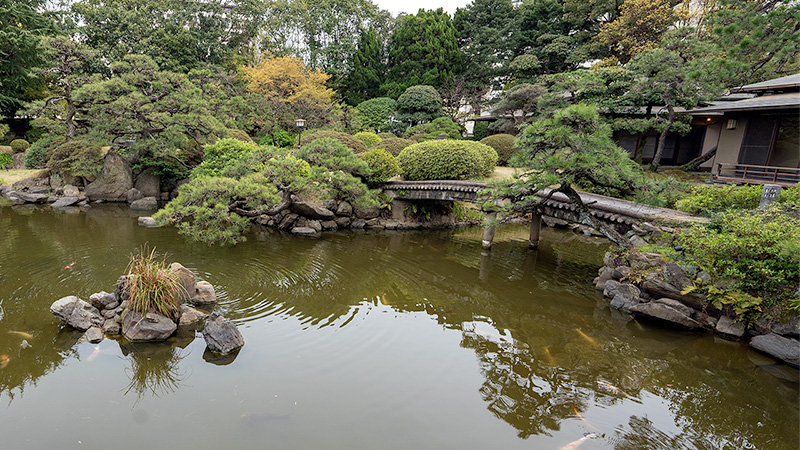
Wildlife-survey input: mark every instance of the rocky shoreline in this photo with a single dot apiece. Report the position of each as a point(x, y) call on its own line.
point(647, 285)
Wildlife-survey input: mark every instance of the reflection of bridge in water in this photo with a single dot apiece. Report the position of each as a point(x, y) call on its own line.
point(619, 214)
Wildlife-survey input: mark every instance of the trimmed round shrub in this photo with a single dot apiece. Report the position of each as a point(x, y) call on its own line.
point(386, 135)
point(77, 158)
point(382, 165)
point(240, 135)
point(503, 144)
point(19, 145)
point(393, 145)
point(369, 139)
point(446, 159)
point(37, 155)
point(354, 144)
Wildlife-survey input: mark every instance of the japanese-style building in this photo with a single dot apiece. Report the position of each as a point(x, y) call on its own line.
point(756, 132)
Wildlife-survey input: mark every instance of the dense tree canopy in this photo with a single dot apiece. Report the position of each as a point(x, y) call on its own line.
point(366, 70)
point(178, 35)
point(423, 50)
point(21, 27)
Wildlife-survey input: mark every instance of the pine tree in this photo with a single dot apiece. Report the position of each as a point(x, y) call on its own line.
point(422, 50)
point(366, 70)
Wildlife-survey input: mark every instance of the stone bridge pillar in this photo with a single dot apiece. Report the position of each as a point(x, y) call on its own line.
point(488, 231)
point(536, 228)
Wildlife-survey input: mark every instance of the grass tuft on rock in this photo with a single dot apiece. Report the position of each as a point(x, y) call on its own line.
point(152, 286)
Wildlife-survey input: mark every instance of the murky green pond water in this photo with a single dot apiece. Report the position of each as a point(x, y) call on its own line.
point(367, 341)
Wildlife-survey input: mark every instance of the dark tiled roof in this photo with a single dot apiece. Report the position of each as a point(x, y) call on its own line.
point(764, 102)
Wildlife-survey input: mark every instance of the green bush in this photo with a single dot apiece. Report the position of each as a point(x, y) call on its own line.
point(420, 103)
point(759, 251)
point(77, 157)
point(234, 133)
point(387, 135)
point(393, 145)
point(356, 145)
point(37, 155)
point(709, 200)
point(480, 130)
point(329, 152)
point(504, 145)
point(368, 138)
point(220, 154)
point(5, 160)
point(446, 160)
point(19, 145)
point(382, 165)
point(278, 138)
point(378, 113)
point(432, 130)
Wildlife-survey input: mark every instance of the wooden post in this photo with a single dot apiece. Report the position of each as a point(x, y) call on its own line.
point(536, 228)
point(488, 232)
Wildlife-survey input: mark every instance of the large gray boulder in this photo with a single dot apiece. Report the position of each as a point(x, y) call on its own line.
point(221, 335)
point(344, 209)
point(187, 279)
point(147, 327)
point(103, 300)
point(729, 327)
point(779, 347)
point(190, 316)
point(147, 221)
point(63, 202)
point(148, 184)
point(310, 211)
point(84, 316)
point(32, 198)
point(658, 288)
point(145, 204)
point(667, 310)
point(204, 294)
point(114, 181)
point(71, 191)
point(63, 307)
point(94, 334)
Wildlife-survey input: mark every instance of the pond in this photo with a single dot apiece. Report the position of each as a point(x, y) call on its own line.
point(389, 340)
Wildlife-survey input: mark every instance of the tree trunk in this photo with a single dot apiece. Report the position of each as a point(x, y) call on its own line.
point(588, 219)
point(694, 164)
point(70, 119)
point(641, 139)
point(662, 138)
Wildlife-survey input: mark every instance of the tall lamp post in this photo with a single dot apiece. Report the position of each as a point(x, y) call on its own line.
point(300, 124)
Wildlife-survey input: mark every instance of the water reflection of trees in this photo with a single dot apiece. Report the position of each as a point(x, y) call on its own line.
point(154, 367)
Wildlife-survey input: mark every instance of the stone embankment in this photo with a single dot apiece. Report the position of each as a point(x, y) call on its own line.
point(108, 314)
point(116, 183)
point(647, 285)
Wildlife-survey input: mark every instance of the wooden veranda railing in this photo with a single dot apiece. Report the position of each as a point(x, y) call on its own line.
point(744, 173)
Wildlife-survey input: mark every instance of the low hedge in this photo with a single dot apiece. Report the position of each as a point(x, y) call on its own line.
point(503, 144)
point(393, 145)
point(382, 165)
point(446, 159)
point(356, 145)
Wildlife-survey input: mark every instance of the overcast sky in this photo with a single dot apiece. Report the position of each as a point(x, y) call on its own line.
point(412, 6)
